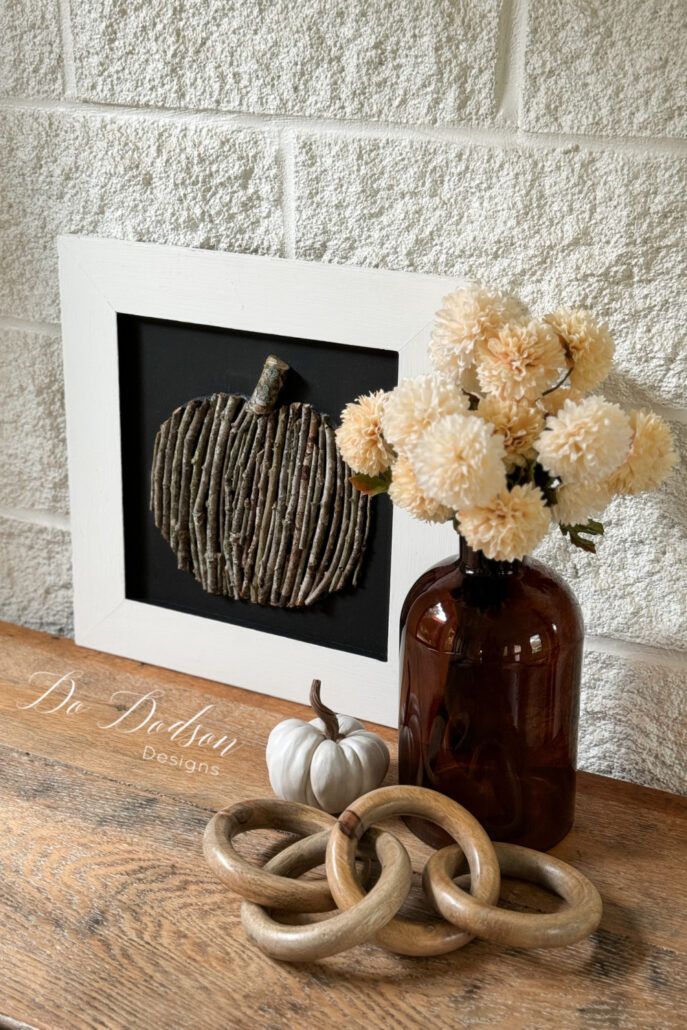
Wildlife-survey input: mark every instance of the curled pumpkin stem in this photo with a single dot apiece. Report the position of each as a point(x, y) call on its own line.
point(328, 717)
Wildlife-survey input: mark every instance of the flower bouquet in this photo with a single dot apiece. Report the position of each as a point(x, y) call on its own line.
point(505, 438)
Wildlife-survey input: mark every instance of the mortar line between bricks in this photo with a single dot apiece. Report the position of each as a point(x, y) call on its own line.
point(630, 650)
point(511, 61)
point(504, 138)
point(666, 411)
point(34, 517)
point(68, 65)
point(633, 651)
point(24, 324)
point(287, 161)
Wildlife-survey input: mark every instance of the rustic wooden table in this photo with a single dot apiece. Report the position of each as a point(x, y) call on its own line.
point(111, 918)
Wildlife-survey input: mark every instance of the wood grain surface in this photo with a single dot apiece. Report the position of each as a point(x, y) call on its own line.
point(111, 919)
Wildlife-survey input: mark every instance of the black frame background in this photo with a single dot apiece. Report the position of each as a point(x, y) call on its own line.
point(163, 364)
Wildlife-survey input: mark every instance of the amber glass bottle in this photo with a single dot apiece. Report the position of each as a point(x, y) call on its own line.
point(491, 654)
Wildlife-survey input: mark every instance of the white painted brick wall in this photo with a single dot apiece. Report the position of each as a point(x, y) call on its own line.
point(600, 228)
point(408, 61)
point(635, 587)
point(596, 66)
point(30, 48)
point(33, 446)
point(631, 712)
point(538, 144)
point(138, 178)
point(35, 585)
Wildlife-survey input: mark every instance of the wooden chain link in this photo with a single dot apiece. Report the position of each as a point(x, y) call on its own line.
point(372, 915)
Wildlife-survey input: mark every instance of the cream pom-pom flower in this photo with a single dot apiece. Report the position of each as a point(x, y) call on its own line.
point(405, 492)
point(460, 461)
point(468, 316)
point(651, 457)
point(517, 422)
point(587, 440)
point(509, 526)
point(360, 437)
point(589, 344)
point(552, 402)
point(412, 407)
point(579, 502)
point(520, 361)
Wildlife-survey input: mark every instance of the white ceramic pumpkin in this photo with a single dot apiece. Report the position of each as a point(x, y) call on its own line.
point(327, 762)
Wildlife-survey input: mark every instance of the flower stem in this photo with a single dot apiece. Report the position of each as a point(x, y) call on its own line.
point(563, 380)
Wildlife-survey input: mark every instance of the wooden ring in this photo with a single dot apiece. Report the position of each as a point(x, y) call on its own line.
point(519, 929)
point(251, 882)
point(404, 936)
point(344, 929)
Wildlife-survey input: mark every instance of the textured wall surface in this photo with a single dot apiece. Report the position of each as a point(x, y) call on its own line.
point(326, 58)
point(537, 144)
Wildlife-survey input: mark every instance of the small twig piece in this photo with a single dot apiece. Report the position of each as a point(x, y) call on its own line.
point(187, 467)
point(266, 392)
point(167, 474)
point(177, 465)
point(158, 472)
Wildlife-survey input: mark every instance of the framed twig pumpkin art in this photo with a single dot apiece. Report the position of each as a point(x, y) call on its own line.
point(215, 527)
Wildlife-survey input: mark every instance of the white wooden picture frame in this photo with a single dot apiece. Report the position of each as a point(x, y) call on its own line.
point(101, 278)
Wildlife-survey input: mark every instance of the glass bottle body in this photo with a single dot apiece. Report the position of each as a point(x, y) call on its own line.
point(491, 656)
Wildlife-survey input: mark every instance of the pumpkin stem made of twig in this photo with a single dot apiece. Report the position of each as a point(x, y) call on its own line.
point(328, 717)
point(264, 396)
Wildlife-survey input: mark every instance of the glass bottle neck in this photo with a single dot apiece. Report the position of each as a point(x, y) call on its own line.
point(476, 562)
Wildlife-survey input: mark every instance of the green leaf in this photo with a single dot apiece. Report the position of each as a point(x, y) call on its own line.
point(551, 496)
point(578, 535)
point(372, 485)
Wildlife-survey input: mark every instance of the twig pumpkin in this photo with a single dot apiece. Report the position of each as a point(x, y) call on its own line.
point(326, 763)
point(255, 500)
